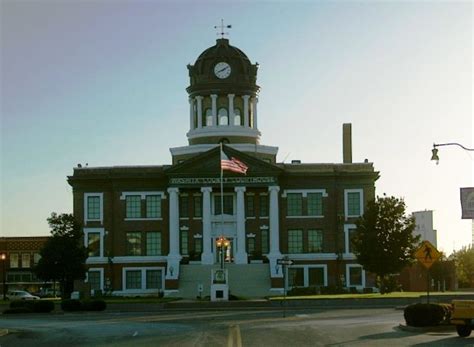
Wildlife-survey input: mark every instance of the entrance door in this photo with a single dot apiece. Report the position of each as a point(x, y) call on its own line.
point(225, 253)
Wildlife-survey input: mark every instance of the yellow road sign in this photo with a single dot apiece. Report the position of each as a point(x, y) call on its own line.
point(427, 254)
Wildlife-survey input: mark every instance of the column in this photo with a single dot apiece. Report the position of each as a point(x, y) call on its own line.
point(231, 109)
point(214, 109)
point(241, 254)
point(254, 106)
point(173, 257)
point(191, 114)
point(206, 257)
point(274, 232)
point(246, 110)
point(199, 111)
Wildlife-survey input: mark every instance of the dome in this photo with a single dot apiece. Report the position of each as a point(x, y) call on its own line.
point(243, 75)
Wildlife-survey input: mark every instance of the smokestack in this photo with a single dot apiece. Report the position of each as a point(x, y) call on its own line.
point(347, 143)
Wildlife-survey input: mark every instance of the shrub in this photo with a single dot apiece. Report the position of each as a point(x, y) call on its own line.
point(94, 305)
point(368, 290)
point(333, 290)
point(422, 315)
point(21, 304)
point(43, 306)
point(304, 291)
point(71, 305)
point(17, 310)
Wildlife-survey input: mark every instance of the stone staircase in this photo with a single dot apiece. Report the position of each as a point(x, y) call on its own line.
point(247, 280)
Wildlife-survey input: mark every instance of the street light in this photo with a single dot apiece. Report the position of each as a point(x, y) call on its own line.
point(222, 243)
point(3, 257)
point(434, 151)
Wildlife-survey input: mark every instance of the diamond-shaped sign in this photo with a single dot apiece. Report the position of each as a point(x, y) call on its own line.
point(427, 254)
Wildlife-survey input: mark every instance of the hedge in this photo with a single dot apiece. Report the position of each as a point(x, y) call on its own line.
point(422, 315)
point(39, 306)
point(85, 305)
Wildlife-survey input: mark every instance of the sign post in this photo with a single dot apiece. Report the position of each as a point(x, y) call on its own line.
point(284, 262)
point(427, 254)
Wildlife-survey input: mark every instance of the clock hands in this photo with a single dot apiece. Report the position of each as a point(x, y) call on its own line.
point(221, 70)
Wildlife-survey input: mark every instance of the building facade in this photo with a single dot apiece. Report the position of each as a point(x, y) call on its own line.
point(424, 227)
point(155, 228)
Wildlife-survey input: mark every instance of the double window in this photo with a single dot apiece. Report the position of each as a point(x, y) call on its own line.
point(305, 203)
point(142, 279)
point(142, 205)
point(297, 244)
point(309, 275)
point(228, 201)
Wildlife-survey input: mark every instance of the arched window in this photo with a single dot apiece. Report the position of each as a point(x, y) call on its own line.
point(223, 117)
point(237, 117)
point(208, 117)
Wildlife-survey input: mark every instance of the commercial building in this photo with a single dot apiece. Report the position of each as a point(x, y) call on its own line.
point(153, 228)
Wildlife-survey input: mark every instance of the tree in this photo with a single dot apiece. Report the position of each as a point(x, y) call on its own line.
point(384, 242)
point(63, 256)
point(464, 260)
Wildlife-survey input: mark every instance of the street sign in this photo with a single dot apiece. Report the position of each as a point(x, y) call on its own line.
point(284, 261)
point(427, 254)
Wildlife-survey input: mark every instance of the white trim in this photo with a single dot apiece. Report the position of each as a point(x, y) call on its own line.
point(305, 192)
point(96, 269)
point(101, 232)
point(264, 227)
point(346, 238)
point(251, 235)
point(243, 147)
point(313, 256)
point(101, 207)
point(143, 289)
point(306, 272)
point(139, 259)
point(346, 204)
point(143, 194)
point(348, 266)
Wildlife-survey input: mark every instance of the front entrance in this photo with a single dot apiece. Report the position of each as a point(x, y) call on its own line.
point(224, 252)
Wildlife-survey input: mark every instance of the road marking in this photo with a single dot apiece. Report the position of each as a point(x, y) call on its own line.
point(135, 333)
point(234, 335)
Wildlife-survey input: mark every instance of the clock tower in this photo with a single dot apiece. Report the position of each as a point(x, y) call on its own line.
point(223, 98)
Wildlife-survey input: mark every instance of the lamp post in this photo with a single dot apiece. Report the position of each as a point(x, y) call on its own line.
point(3, 257)
point(222, 243)
point(434, 151)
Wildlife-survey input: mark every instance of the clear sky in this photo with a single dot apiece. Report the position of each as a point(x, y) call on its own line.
point(103, 82)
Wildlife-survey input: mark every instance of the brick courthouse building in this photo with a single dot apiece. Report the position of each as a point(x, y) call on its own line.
point(152, 228)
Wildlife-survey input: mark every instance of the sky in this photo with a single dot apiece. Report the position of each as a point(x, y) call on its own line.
point(103, 82)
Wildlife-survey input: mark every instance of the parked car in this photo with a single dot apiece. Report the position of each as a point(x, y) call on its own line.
point(463, 316)
point(21, 295)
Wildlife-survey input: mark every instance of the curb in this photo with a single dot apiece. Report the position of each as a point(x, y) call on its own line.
point(436, 328)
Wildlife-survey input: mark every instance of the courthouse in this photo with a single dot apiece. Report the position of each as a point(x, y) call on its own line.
point(160, 228)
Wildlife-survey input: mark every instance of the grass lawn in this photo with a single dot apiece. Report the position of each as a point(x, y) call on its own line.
point(362, 296)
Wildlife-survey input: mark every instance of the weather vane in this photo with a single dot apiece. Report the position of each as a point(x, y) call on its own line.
point(221, 28)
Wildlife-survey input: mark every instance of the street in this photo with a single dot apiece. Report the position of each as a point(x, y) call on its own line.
point(222, 327)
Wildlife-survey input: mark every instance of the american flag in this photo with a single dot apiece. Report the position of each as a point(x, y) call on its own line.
point(233, 164)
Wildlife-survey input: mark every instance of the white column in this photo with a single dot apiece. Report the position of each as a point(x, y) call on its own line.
point(206, 257)
point(231, 109)
point(241, 254)
point(214, 109)
point(191, 114)
point(173, 256)
point(254, 106)
point(246, 110)
point(274, 232)
point(199, 111)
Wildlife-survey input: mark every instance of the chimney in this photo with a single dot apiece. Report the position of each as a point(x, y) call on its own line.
point(347, 143)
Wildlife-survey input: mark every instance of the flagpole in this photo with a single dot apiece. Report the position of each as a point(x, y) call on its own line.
point(222, 212)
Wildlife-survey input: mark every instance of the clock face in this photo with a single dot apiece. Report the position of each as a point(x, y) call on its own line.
point(222, 70)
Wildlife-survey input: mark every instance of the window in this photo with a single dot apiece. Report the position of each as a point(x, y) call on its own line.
point(237, 117)
point(265, 243)
point(351, 240)
point(184, 242)
point(355, 276)
point(315, 204)
point(295, 277)
point(250, 245)
point(25, 260)
point(315, 241)
point(13, 260)
point(93, 244)
point(316, 276)
point(134, 243)
point(93, 278)
point(295, 241)
point(208, 117)
point(153, 243)
point(153, 279)
point(197, 206)
point(263, 205)
point(197, 246)
point(228, 204)
point(36, 258)
point(183, 206)
point(353, 200)
point(249, 206)
point(133, 279)
point(294, 204)
point(93, 207)
point(223, 117)
point(133, 206)
point(153, 206)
